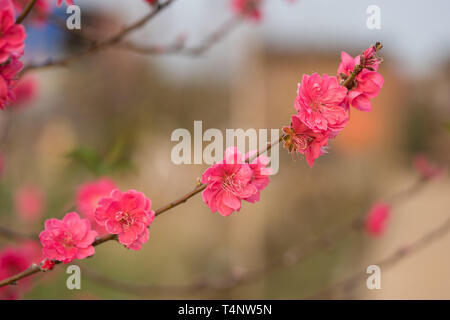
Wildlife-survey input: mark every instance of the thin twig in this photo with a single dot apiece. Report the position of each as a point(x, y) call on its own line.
point(292, 256)
point(398, 255)
point(26, 11)
point(98, 46)
point(178, 46)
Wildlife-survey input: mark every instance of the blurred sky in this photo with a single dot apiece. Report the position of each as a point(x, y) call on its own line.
point(416, 33)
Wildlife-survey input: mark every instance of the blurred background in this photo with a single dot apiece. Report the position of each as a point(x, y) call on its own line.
point(111, 114)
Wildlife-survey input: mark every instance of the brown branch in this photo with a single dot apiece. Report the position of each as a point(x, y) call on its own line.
point(32, 270)
point(292, 256)
point(12, 234)
point(398, 255)
point(178, 47)
point(98, 46)
point(26, 11)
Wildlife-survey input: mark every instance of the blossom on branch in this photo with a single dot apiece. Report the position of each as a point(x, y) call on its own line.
point(67, 239)
point(12, 35)
point(301, 139)
point(15, 259)
point(368, 82)
point(319, 103)
point(8, 78)
point(127, 214)
point(232, 180)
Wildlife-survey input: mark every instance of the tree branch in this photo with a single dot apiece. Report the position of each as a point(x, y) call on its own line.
point(26, 11)
point(98, 46)
point(32, 270)
point(291, 256)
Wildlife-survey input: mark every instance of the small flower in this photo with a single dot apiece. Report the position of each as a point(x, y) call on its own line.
point(12, 35)
point(299, 138)
point(377, 218)
point(67, 239)
point(30, 203)
point(88, 196)
point(127, 214)
point(152, 2)
point(8, 73)
point(319, 103)
point(229, 182)
point(250, 9)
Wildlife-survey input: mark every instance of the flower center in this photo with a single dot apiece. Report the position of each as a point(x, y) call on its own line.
point(124, 218)
point(301, 142)
point(230, 184)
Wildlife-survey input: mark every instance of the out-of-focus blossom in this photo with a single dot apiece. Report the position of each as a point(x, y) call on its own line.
point(376, 219)
point(67, 239)
point(88, 197)
point(59, 2)
point(425, 168)
point(229, 182)
point(12, 35)
point(29, 203)
point(25, 91)
point(319, 103)
point(152, 2)
point(300, 139)
point(15, 259)
point(250, 9)
point(127, 214)
point(8, 74)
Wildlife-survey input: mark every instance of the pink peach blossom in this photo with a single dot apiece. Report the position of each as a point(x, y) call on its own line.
point(229, 182)
point(15, 259)
point(8, 74)
point(67, 239)
point(250, 9)
point(88, 197)
point(12, 35)
point(299, 138)
point(377, 218)
point(127, 214)
point(368, 82)
point(319, 103)
point(30, 203)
